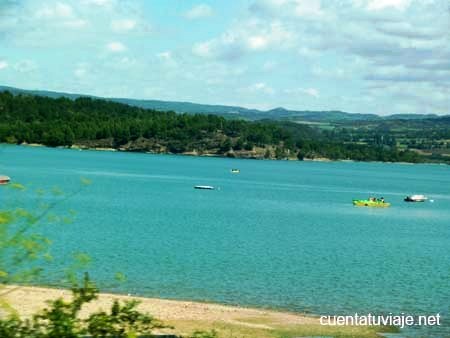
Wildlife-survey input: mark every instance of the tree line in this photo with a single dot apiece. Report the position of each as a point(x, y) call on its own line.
point(102, 123)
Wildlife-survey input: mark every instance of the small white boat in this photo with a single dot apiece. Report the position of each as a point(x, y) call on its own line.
point(204, 187)
point(4, 179)
point(235, 171)
point(415, 198)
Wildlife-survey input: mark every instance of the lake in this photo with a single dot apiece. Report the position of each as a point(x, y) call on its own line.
point(280, 234)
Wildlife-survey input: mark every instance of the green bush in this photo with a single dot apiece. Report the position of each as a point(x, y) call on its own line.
point(61, 319)
point(205, 334)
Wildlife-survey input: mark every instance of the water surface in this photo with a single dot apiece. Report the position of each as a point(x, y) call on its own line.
point(279, 234)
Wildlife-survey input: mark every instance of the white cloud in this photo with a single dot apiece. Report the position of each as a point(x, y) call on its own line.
point(3, 64)
point(25, 66)
point(124, 63)
point(335, 72)
point(326, 42)
point(77, 23)
point(376, 5)
point(81, 71)
point(259, 87)
point(305, 9)
point(202, 49)
point(57, 10)
point(411, 96)
point(58, 14)
point(312, 44)
point(100, 3)
point(401, 73)
point(303, 91)
point(116, 47)
point(123, 25)
point(167, 59)
point(257, 42)
point(308, 8)
point(199, 11)
point(165, 55)
point(250, 36)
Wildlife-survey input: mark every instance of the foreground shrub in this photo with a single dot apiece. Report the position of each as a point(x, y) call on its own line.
point(205, 334)
point(61, 319)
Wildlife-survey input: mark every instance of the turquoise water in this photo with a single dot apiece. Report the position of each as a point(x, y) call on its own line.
point(279, 234)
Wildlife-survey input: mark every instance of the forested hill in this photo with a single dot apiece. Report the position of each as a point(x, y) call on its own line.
point(92, 123)
point(231, 111)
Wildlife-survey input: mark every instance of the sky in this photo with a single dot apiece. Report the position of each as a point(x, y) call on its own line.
point(360, 56)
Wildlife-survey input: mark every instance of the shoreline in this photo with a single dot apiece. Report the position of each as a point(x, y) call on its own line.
point(188, 316)
point(40, 293)
point(190, 154)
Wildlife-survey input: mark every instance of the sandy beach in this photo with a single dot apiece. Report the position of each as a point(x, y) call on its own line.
point(187, 316)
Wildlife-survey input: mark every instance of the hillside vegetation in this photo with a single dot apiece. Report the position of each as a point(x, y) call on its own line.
point(95, 123)
point(233, 112)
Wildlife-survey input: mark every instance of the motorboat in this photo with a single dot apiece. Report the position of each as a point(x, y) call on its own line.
point(415, 198)
point(372, 202)
point(4, 179)
point(204, 187)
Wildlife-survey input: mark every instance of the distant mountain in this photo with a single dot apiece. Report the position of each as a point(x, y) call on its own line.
point(231, 111)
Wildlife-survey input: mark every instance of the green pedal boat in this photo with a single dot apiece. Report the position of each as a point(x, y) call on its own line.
point(377, 203)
